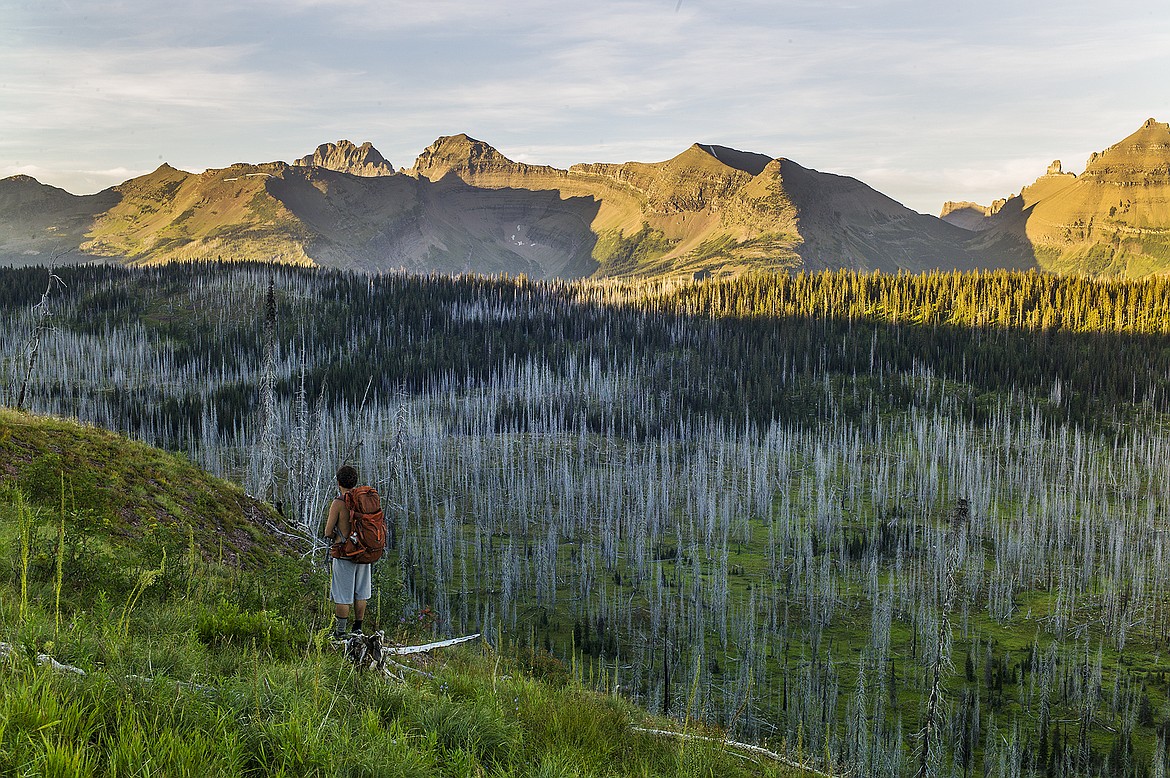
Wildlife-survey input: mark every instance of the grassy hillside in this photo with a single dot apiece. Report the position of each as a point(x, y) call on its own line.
point(120, 492)
point(199, 660)
point(171, 215)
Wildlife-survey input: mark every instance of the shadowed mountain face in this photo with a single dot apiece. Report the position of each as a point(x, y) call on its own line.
point(712, 209)
point(1111, 220)
point(40, 222)
point(423, 226)
point(845, 223)
point(464, 206)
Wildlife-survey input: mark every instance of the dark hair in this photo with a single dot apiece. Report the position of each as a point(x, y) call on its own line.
point(347, 477)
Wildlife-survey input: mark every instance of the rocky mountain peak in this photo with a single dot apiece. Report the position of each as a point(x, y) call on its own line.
point(968, 215)
point(344, 157)
point(1054, 179)
point(746, 161)
point(460, 154)
point(1141, 159)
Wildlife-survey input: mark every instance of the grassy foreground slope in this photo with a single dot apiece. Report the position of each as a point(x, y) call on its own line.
point(120, 492)
point(199, 661)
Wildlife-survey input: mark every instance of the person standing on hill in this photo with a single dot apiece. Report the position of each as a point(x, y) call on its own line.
point(352, 529)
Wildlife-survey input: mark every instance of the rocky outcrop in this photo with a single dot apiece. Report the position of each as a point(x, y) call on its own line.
point(345, 157)
point(479, 164)
point(968, 215)
point(1113, 219)
point(1054, 180)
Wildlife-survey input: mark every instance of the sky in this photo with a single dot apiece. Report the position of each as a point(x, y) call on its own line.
point(926, 101)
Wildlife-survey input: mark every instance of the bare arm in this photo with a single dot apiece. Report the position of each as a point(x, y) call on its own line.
point(337, 525)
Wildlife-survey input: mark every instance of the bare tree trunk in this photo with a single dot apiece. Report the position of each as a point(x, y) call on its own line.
point(268, 398)
point(41, 311)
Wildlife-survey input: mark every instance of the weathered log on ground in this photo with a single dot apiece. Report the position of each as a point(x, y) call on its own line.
point(748, 747)
point(371, 652)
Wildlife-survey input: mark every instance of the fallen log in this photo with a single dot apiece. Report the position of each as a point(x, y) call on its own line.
point(372, 652)
point(757, 750)
point(45, 659)
point(403, 650)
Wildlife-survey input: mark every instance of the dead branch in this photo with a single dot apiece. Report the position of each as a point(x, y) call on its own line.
point(403, 650)
point(757, 750)
point(372, 652)
point(45, 659)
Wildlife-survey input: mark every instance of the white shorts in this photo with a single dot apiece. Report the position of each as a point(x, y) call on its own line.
point(351, 581)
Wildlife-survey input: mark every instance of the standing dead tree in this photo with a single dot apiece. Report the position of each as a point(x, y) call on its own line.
point(306, 460)
point(355, 438)
point(268, 397)
point(931, 734)
point(41, 314)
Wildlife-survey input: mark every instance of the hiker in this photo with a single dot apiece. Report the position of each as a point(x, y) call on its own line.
point(356, 531)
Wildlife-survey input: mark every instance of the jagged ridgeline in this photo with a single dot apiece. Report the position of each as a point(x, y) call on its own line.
point(896, 522)
point(464, 207)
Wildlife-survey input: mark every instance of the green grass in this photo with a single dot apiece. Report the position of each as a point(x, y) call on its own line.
point(118, 490)
point(166, 700)
point(1136, 256)
point(197, 666)
point(618, 254)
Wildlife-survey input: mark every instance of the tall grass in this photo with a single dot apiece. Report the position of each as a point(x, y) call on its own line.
point(59, 566)
point(145, 579)
point(24, 519)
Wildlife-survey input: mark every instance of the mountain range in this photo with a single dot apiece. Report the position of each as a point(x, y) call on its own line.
point(465, 207)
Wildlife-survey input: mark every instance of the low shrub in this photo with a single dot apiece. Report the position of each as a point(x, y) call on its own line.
point(266, 631)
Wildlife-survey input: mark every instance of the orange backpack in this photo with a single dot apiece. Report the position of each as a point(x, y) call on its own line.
point(367, 528)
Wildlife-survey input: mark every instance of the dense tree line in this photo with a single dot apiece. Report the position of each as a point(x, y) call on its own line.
point(746, 346)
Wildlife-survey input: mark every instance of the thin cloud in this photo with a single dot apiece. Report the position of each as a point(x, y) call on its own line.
point(921, 100)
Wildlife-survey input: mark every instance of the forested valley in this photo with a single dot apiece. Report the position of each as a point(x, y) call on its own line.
point(891, 524)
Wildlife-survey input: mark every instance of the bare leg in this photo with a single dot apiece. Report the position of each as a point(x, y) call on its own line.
point(341, 611)
point(359, 609)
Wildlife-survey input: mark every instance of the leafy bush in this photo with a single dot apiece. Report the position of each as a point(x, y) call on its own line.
point(543, 666)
